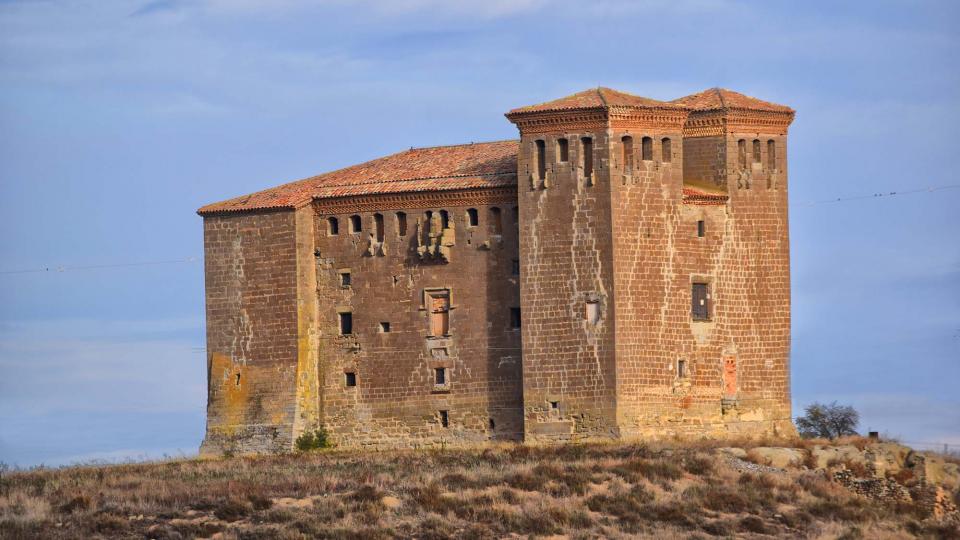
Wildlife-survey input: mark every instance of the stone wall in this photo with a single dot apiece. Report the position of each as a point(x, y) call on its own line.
point(251, 309)
point(569, 378)
point(395, 400)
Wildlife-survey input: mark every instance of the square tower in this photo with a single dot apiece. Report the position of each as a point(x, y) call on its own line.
point(654, 273)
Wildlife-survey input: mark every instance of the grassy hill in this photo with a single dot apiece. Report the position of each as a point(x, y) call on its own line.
point(681, 490)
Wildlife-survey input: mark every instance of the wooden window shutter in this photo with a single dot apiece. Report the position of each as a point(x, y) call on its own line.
point(700, 308)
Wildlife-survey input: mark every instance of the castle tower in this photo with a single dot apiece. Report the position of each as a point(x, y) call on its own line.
point(655, 300)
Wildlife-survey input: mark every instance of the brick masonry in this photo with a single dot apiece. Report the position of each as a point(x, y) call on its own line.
point(607, 259)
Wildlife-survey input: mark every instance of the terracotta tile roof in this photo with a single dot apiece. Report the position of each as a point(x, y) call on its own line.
point(438, 168)
point(703, 198)
point(596, 98)
point(721, 99)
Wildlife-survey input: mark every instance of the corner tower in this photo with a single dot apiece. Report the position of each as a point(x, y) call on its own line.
point(654, 266)
point(577, 156)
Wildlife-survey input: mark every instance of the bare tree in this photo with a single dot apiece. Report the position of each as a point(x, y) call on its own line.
point(828, 421)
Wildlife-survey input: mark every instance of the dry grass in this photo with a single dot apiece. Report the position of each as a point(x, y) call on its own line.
point(578, 491)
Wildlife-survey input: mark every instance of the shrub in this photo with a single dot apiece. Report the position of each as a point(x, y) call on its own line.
point(313, 440)
point(231, 510)
point(828, 421)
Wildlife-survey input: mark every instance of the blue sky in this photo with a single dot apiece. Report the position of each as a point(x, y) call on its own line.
point(119, 119)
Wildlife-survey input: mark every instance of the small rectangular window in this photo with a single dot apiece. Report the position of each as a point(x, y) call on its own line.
point(444, 419)
point(378, 226)
point(333, 226)
point(497, 220)
point(402, 223)
point(587, 144)
point(515, 267)
point(666, 151)
point(350, 378)
point(439, 306)
point(555, 405)
point(593, 312)
point(681, 368)
point(756, 150)
point(627, 142)
point(700, 296)
point(563, 150)
point(440, 376)
point(541, 159)
point(771, 154)
point(346, 323)
point(646, 148)
point(742, 153)
point(473, 217)
point(701, 229)
point(345, 280)
point(384, 327)
point(355, 224)
point(514, 317)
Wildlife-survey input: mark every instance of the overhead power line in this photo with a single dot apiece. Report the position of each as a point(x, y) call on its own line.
point(70, 268)
point(879, 195)
point(64, 268)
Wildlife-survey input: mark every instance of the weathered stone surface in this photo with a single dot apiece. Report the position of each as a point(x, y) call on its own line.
point(778, 457)
point(823, 455)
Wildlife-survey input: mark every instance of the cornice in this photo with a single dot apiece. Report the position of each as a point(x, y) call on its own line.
point(724, 121)
point(422, 200)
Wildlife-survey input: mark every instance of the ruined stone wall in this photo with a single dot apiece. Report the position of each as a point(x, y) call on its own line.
point(565, 251)
point(251, 311)
point(395, 401)
point(736, 363)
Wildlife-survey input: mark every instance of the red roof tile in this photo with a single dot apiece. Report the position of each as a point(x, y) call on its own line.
point(439, 168)
point(721, 99)
point(595, 98)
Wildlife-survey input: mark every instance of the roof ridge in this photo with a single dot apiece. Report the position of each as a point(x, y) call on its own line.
point(471, 143)
point(719, 91)
point(603, 99)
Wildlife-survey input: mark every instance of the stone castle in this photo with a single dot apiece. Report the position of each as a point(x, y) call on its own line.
point(620, 271)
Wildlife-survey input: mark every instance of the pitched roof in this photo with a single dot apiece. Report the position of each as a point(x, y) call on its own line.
point(722, 99)
point(438, 168)
point(595, 98)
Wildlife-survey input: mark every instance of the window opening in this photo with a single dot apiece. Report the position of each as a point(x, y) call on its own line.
point(439, 312)
point(350, 378)
point(593, 312)
point(333, 226)
point(701, 229)
point(627, 152)
point(473, 217)
point(563, 150)
point(378, 226)
point(701, 302)
point(497, 220)
point(355, 224)
point(402, 223)
point(647, 149)
point(440, 376)
point(444, 419)
point(346, 323)
point(587, 144)
point(514, 317)
point(666, 150)
point(541, 159)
